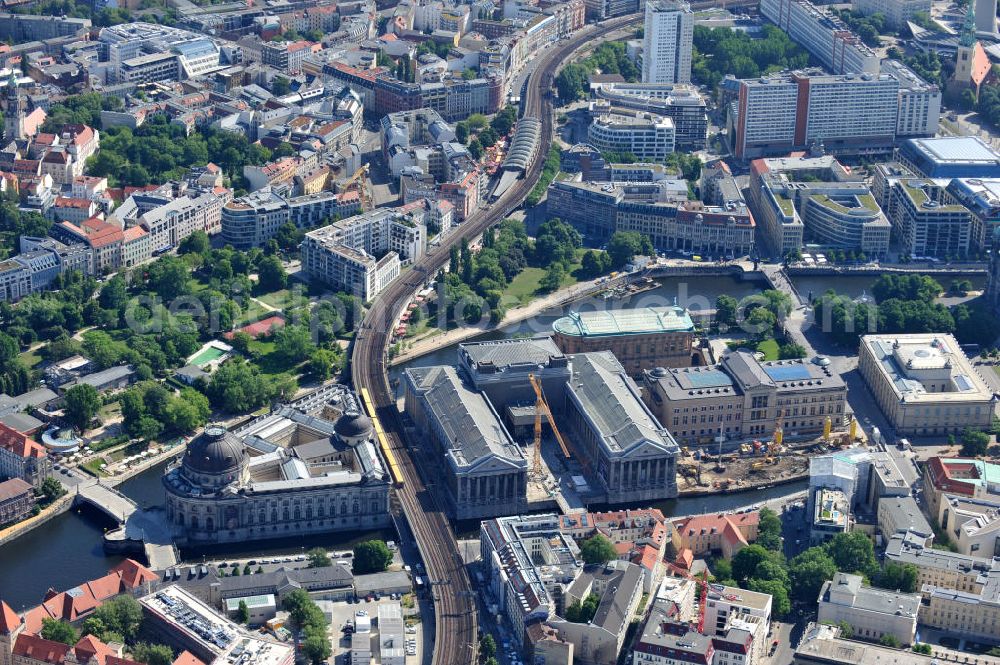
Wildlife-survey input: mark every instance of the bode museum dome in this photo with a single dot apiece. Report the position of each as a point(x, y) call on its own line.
point(306, 468)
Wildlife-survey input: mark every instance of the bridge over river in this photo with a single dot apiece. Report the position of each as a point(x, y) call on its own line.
point(138, 529)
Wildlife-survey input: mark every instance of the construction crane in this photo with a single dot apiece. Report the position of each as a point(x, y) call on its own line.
point(542, 408)
point(360, 179)
point(702, 583)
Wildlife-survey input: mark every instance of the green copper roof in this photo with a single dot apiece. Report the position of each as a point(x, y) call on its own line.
point(643, 321)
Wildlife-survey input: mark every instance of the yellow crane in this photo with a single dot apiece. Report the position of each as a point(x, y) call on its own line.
point(360, 178)
point(542, 408)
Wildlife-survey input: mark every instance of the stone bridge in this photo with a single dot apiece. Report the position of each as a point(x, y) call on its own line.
point(106, 499)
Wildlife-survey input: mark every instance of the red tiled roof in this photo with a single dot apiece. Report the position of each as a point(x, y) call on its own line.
point(72, 202)
point(13, 487)
point(134, 574)
point(259, 328)
point(90, 647)
point(37, 648)
point(8, 619)
point(187, 658)
point(56, 157)
point(19, 444)
point(133, 233)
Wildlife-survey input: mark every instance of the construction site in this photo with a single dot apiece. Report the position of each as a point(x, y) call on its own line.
point(757, 464)
point(516, 425)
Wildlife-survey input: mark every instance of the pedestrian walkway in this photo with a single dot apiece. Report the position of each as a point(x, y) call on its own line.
point(427, 345)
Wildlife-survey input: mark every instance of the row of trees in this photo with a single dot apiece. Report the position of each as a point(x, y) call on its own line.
point(573, 81)
point(762, 567)
point(905, 304)
point(549, 170)
point(307, 618)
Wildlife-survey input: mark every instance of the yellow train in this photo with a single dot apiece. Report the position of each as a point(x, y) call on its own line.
point(383, 440)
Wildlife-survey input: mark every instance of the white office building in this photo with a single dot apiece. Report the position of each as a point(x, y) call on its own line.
point(667, 42)
point(646, 135)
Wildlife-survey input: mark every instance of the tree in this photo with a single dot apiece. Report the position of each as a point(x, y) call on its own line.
point(726, 308)
point(852, 552)
point(769, 530)
point(487, 646)
point(593, 263)
point(846, 630)
point(623, 245)
point(317, 646)
point(371, 556)
point(280, 86)
point(323, 363)
point(271, 275)
point(746, 561)
point(808, 571)
point(50, 490)
point(899, 577)
point(82, 404)
point(791, 350)
point(923, 648)
point(974, 442)
point(889, 640)
point(475, 148)
point(196, 243)
point(598, 549)
point(294, 343)
point(318, 558)
point(721, 569)
point(583, 612)
point(243, 613)
point(153, 654)
point(59, 631)
point(241, 342)
point(780, 604)
point(122, 615)
point(552, 278)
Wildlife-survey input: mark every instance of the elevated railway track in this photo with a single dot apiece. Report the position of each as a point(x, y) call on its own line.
point(455, 616)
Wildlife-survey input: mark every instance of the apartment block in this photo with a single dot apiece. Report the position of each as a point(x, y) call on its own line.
point(343, 254)
point(667, 42)
point(252, 220)
point(681, 103)
point(799, 200)
point(824, 35)
point(846, 113)
point(928, 221)
point(672, 223)
point(21, 457)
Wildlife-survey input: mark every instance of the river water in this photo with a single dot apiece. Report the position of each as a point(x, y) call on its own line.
point(67, 551)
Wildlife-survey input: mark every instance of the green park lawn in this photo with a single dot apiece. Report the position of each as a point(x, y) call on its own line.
point(769, 348)
point(524, 287)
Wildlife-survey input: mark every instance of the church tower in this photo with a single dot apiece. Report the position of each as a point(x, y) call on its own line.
point(13, 118)
point(11, 626)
